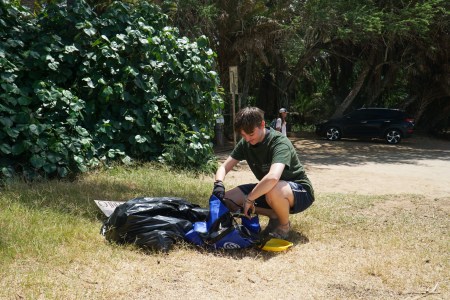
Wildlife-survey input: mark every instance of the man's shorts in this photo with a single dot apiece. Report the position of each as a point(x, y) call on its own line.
point(302, 199)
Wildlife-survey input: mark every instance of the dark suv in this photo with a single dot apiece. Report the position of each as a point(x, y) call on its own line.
point(390, 124)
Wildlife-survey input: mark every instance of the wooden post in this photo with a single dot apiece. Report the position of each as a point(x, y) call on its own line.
point(233, 71)
point(234, 116)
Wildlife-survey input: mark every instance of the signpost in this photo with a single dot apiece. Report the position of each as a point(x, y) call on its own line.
point(233, 90)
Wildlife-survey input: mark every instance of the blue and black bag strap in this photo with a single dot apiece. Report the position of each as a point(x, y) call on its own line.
point(220, 228)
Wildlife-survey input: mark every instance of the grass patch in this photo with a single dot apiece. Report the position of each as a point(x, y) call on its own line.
point(37, 217)
point(347, 246)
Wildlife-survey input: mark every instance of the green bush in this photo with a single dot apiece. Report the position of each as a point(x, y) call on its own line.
point(79, 88)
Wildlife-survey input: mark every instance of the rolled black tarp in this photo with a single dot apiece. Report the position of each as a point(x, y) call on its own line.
point(152, 223)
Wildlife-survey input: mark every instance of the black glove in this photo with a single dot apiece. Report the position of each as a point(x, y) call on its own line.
point(219, 190)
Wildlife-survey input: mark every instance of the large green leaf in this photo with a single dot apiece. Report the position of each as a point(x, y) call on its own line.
point(89, 82)
point(140, 139)
point(12, 132)
point(49, 168)
point(90, 31)
point(8, 77)
point(6, 122)
point(5, 148)
point(53, 65)
point(18, 148)
point(107, 91)
point(70, 49)
point(62, 172)
point(37, 161)
point(24, 101)
point(34, 129)
point(7, 172)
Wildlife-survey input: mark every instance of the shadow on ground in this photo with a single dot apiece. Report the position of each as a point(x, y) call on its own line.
point(350, 152)
point(314, 150)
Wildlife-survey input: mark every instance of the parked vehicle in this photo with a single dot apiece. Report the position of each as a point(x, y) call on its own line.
point(390, 124)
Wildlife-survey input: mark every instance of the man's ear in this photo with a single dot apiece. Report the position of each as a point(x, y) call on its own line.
point(263, 124)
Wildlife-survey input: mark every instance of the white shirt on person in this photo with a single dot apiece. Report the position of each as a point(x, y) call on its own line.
point(283, 127)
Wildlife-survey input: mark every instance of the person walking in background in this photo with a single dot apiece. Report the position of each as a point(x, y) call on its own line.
point(281, 121)
point(283, 186)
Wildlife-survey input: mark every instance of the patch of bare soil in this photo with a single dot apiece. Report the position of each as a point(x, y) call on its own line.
point(419, 165)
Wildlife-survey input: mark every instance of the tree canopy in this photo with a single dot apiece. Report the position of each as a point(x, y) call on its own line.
point(324, 58)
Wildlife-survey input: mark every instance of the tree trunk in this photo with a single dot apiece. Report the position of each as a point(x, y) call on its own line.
point(430, 96)
point(281, 81)
point(373, 87)
point(298, 68)
point(387, 81)
point(443, 114)
point(356, 87)
point(247, 77)
point(267, 95)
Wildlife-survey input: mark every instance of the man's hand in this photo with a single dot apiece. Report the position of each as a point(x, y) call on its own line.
point(219, 190)
point(249, 207)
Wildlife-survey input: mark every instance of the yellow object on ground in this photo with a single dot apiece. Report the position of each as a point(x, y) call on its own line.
point(277, 245)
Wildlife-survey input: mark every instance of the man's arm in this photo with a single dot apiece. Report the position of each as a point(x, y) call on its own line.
point(219, 188)
point(264, 186)
point(267, 182)
point(225, 168)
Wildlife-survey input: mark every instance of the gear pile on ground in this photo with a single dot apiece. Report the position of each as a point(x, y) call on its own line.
point(157, 223)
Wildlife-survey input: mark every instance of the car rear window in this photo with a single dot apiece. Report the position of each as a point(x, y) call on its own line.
point(359, 114)
point(394, 114)
point(374, 114)
point(385, 114)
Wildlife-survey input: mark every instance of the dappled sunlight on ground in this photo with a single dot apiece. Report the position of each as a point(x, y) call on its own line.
point(419, 165)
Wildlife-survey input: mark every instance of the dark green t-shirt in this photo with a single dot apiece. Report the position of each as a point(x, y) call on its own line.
point(275, 148)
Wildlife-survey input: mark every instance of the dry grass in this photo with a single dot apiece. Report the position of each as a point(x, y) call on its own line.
point(346, 247)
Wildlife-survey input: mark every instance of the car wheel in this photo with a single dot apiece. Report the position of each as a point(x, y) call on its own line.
point(333, 133)
point(393, 136)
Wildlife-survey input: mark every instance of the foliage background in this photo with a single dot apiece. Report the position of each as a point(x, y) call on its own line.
point(120, 84)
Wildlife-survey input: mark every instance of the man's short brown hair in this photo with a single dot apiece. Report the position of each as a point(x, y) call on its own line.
point(247, 119)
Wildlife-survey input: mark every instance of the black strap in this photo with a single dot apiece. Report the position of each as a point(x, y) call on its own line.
point(216, 233)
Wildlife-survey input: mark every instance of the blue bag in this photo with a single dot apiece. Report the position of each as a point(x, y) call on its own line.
point(273, 124)
point(222, 231)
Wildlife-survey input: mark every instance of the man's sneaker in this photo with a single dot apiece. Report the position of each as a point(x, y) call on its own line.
point(271, 226)
point(281, 232)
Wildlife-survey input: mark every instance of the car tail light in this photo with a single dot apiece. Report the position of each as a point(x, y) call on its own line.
point(410, 121)
point(410, 130)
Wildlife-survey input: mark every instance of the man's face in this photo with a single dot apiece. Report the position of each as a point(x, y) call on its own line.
point(256, 136)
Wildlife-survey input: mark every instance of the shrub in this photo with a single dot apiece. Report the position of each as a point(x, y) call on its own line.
point(117, 85)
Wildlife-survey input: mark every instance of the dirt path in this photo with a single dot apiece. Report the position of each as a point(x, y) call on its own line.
point(419, 165)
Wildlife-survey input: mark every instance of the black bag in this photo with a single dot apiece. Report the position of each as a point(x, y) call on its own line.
point(152, 223)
